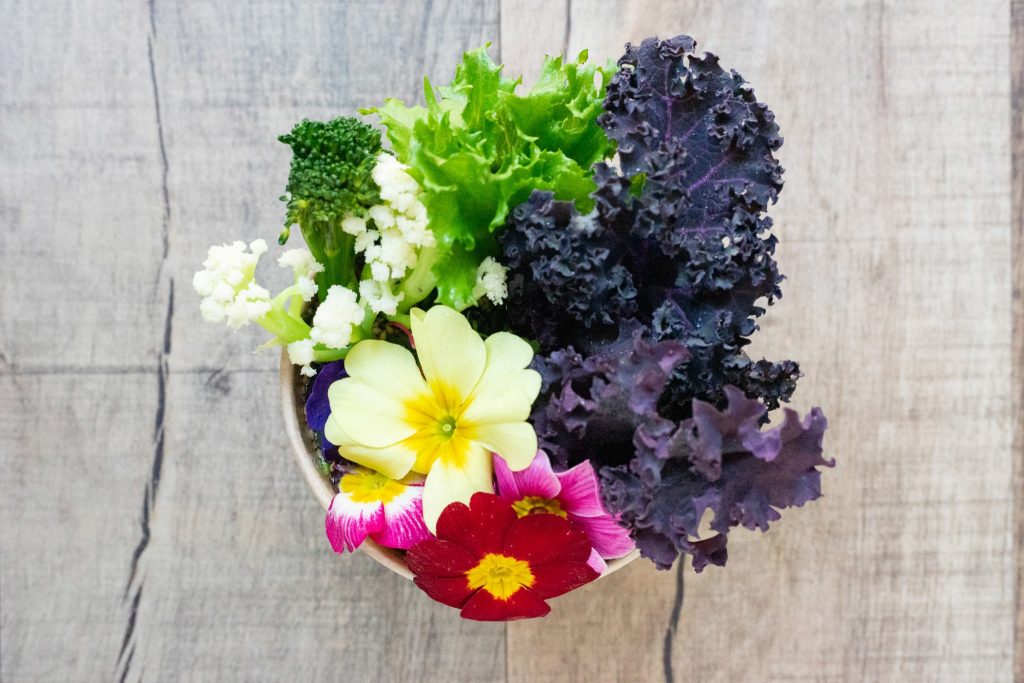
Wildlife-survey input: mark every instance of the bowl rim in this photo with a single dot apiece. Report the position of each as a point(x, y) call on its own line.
point(304, 452)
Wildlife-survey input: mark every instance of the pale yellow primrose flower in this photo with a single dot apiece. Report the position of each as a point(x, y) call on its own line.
point(472, 398)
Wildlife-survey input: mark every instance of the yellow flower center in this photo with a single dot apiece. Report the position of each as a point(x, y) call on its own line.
point(366, 486)
point(500, 575)
point(530, 505)
point(440, 430)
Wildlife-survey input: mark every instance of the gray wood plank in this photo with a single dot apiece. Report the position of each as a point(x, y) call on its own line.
point(894, 235)
point(1017, 185)
point(81, 234)
point(74, 460)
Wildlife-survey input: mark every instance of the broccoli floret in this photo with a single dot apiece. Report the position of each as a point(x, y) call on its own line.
point(330, 180)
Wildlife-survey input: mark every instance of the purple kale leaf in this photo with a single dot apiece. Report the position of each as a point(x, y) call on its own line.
point(723, 461)
point(592, 406)
point(568, 262)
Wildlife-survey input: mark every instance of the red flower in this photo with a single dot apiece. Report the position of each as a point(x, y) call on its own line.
point(497, 566)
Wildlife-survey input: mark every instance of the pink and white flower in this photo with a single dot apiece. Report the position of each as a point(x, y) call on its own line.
point(368, 503)
point(573, 494)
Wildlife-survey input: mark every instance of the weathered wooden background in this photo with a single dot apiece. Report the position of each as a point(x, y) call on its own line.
point(153, 525)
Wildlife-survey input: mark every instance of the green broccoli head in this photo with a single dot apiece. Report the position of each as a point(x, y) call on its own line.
point(330, 179)
point(330, 173)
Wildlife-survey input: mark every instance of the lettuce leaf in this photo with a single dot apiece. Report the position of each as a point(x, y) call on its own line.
point(478, 148)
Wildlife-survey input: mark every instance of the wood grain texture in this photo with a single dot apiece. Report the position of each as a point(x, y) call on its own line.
point(894, 236)
point(152, 524)
point(1017, 147)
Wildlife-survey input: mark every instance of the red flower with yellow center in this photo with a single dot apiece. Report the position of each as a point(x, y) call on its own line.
point(495, 565)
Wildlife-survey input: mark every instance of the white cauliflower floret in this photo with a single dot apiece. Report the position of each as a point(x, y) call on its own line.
point(379, 297)
point(396, 252)
point(365, 241)
point(353, 225)
point(490, 281)
point(252, 303)
point(301, 262)
point(335, 318)
point(301, 353)
point(306, 288)
point(226, 284)
point(382, 216)
point(379, 271)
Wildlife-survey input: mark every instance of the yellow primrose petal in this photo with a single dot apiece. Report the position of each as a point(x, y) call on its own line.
point(451, 354)
point(506, 390)
point(515, 442)
point(393, 461)
point(448, 483)
point(388, 368)
point(370, 417)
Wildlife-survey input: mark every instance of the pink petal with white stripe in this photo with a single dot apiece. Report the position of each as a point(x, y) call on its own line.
point(403, 521)
point(349, 523)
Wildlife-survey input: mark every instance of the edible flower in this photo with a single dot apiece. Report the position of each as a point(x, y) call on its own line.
point(497, 566)
point(471, 399)
point(370, 504)
point(574, 495)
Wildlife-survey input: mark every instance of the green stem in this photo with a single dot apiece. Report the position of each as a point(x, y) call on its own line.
point(327, 355)
point(420, 282)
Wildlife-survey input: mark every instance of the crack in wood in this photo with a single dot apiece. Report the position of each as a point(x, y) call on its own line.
point(164, 167)
point(135, 582)
point(673, 625)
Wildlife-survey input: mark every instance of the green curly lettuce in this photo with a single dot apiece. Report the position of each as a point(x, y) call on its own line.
point(478, 149)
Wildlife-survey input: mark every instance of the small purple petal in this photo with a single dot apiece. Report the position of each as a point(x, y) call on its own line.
point(318, 408)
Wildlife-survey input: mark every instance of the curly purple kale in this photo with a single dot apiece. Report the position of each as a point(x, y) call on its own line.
point(643, 306)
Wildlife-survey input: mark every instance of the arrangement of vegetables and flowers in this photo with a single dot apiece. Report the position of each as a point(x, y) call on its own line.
point(521, 326)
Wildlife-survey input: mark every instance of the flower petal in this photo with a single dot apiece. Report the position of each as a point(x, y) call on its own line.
point(349, 523)
point(480, 529)
point(580, 491)
point(516, 442)
point(386, 367)
point(392, 461)
point(317, 405)
point(440, 559)
point(508, 487)
point(449, 482)
point(403, 520)
point(370, 417)
point(452, 592)
point(450, 351)
point(608, 538)
point(557, 578)
point(542, 538)
point(596, 562)
point(506, 390)
point(523, 604)
point(536, 480)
